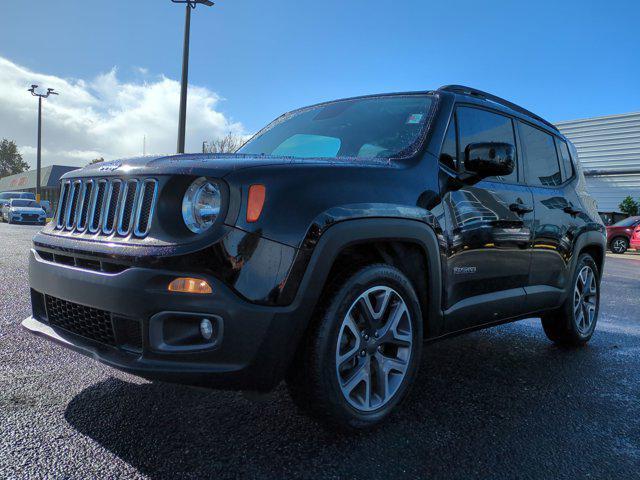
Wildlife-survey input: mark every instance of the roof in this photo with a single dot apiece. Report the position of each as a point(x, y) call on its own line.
point(49, 177)
point(471, 92)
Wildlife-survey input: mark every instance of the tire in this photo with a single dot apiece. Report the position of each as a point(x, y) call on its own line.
point(573, 324)
point(352, 374)
point(619, 245)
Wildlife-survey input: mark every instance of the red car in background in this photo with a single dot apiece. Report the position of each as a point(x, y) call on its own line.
point(619, 235)
point(635, 239)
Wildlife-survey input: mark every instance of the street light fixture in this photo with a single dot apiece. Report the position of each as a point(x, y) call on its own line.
point(190, 4)
point(40, 96)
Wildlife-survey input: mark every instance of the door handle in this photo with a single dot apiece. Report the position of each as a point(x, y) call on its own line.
point(572, 211)
point(520, 208)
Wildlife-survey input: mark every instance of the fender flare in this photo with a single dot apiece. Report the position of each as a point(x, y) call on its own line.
point(349, 232)
point(590, 238)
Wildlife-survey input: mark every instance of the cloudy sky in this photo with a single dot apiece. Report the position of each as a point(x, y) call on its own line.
point(116, 63)
point(104, 116)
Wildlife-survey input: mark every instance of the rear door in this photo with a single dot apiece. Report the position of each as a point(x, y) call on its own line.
point(488, 230)
point(558, 214)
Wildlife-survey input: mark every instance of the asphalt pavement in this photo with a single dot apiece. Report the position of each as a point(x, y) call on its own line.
point(499, 403)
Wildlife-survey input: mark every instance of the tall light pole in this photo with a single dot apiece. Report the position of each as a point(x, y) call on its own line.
point(39, 161)
point(182, 121)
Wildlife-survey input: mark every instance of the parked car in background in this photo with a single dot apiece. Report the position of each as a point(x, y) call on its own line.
point(6, 196)
point(21, 210)
point(635, 238)
point(619, 234)
point(325, 251)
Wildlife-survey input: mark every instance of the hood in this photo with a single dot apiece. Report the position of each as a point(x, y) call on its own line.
point(27, 210)
point(210, 164)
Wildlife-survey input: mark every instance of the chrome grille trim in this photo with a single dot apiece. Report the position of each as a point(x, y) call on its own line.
point(94, 225)
point(72, 205)
point(122, 214)
point(107, 206)
point(62, 206)
point(107, 228)
point(84, 204)
point(138, 229)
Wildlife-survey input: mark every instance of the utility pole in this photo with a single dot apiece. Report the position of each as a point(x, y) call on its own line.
point(182, 120)
point(39, 154)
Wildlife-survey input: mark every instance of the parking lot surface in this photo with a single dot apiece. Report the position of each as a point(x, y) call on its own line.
point(499, 403)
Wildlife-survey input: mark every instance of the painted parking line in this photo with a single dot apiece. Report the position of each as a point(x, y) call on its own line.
point(625, 256)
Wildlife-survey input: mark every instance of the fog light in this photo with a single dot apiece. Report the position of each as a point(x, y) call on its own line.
point(206, 328)
point(189, 285)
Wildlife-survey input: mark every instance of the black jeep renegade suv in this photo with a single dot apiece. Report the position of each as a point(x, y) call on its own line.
point(324, 252)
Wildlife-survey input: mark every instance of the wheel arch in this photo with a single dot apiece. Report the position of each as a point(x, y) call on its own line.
point(394, 240)
point(595, 244)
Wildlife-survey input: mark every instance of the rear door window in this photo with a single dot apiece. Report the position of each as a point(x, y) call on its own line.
point(479, 126)
point(541, 159)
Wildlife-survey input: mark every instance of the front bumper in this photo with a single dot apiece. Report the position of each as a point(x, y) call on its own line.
point(26, 219)
point(253, 352)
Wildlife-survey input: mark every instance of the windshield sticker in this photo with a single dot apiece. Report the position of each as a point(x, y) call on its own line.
point(414, 118)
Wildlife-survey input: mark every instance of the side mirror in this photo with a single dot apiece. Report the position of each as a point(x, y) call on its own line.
point(489, 159)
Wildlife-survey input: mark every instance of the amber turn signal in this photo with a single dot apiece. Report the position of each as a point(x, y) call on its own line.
point(255, 202)
point(189, 285)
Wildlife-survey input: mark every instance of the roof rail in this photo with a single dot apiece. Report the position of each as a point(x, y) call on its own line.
point(463, 90)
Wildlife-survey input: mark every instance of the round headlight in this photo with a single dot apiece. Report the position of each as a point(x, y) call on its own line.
point(201, 205)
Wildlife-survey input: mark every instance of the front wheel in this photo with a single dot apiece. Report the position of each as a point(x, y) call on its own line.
point(363, 350)
point(574, 323)
point(619, 245)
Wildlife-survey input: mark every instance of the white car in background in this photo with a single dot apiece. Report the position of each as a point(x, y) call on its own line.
point(20, 210)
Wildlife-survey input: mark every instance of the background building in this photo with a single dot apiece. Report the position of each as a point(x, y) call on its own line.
point(609, 150)
point(26, 182)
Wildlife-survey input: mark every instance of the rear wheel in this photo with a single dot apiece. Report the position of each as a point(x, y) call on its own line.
point(363, 350)
point(574, 322)
point(619, 245)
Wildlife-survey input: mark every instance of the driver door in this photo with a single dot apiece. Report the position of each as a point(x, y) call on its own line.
point(488, 230)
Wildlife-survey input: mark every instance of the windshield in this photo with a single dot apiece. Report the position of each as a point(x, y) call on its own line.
point(380, 127)
point(627, 222)
point(24, 203)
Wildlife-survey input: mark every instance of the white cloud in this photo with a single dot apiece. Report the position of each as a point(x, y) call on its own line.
point(103, 117)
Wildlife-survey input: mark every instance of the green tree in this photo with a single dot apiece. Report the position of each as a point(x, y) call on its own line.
point(10, 159)
point(628, 206)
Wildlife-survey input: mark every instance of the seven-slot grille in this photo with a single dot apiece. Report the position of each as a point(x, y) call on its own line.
point(107, 206)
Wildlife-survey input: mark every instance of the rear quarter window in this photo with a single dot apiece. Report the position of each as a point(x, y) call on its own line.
point(565, 159)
